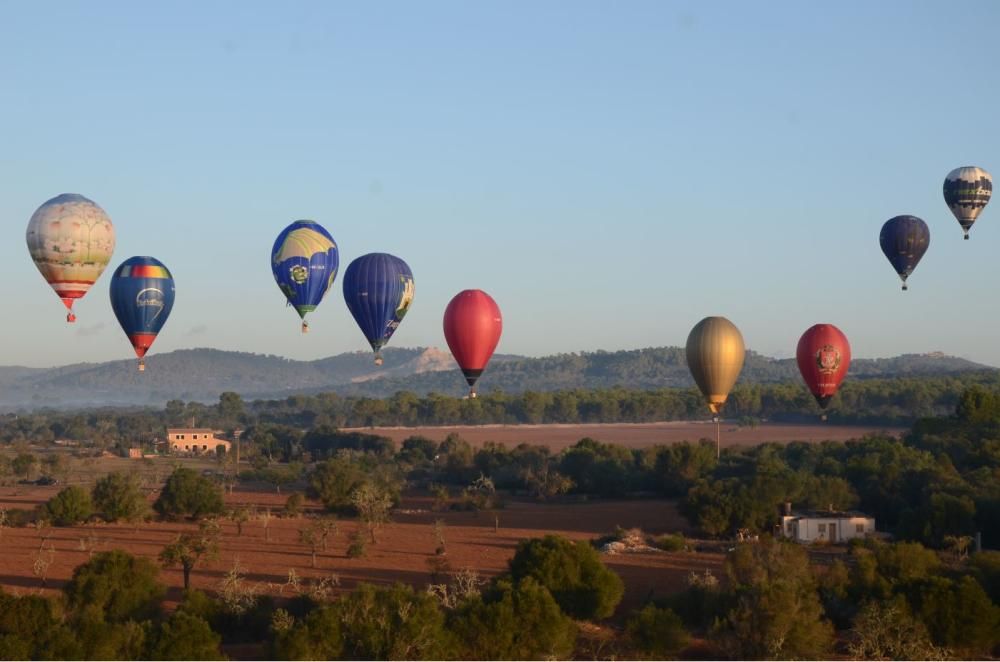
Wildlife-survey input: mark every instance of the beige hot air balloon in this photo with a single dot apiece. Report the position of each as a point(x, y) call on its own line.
point(715, 354)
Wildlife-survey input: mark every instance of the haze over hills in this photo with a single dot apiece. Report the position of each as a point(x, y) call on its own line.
point(202, 374)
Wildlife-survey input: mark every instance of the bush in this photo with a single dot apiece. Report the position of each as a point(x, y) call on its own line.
point(656, 633)
point(293, 504)
point(117, 496)
point(115, 586)
point(357, 549)
point(573, 572)
point(186, 494)
point(70, 506)
point(513, 622)
point(670, 542)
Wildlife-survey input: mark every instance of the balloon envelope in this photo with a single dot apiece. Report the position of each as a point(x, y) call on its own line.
point(304, 262)
point(966, 192)
point(378, 290)
point(142, 296)
point(824, 356)
point(715, 354)
point(904, 240)
point(472, 327)
point(71, 240)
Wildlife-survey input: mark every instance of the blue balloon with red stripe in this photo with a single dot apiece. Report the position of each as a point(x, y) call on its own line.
point(378, 289)
point(142, 296)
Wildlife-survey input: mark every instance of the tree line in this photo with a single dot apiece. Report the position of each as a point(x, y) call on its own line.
point(871, 401)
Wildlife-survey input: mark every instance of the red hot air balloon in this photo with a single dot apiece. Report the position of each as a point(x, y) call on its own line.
point(472, 327)
point(823, 356)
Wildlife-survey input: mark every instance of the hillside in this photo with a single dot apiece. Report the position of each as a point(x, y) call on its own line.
point(201, 374)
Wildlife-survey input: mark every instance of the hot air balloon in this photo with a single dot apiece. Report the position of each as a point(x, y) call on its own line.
point(715, 355)
point(823, 355)
point(71, 240)
point(142, 295)
point(904, 240)
point(966, 192)
point(304, 261)
point(472, 327)
point(378, 289)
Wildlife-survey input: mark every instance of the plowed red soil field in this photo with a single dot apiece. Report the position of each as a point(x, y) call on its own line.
point(635, 435)
point(401, 554)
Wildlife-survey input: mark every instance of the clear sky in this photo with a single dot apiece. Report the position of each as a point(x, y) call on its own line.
point(611, 172)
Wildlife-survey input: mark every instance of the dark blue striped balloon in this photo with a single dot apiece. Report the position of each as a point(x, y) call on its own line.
point(142, 296)
point(904, 240)
point(378, 289)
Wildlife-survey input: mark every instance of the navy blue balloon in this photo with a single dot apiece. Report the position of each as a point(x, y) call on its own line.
point(378, 289)
point(904, 240)
point(142, 296)
point(304, 262)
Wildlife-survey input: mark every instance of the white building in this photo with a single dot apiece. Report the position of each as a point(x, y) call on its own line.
point(194, 440)
point(825, 525)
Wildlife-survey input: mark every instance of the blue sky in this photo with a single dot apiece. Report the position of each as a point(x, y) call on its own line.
point(610, 172)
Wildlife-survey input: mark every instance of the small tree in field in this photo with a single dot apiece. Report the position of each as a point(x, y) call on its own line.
point(118, 496)
point(70, 506)
point(189, 549)
point(316, 534)
point(239, 517)
point(186, 494)
point(373, 505)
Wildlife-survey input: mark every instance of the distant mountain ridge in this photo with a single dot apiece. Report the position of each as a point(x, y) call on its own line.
point(202, 374)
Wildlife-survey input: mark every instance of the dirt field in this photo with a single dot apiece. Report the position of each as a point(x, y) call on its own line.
point(634, 435)
point(402, 553)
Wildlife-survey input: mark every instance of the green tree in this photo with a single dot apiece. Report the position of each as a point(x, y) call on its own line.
point(385, 623)
point(777, 612)
point(185, 636)
point(70, 506)
point(115, 586)
point(333, 482)
point(656, 633)
point(573, 572)
point(513, 622)
point(31, 628)
point(957, 613)
point(23, 464)
point(117, 496)
point(186, 494)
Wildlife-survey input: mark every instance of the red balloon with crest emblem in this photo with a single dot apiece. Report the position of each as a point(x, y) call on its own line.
point(824, 356)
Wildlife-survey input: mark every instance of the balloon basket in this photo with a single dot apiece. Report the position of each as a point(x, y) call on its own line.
point(378, 360)
point(305, 328)
point(966, 237)
point(905, 287)
point(823, 418)
point(70, 317)
point(142, 366)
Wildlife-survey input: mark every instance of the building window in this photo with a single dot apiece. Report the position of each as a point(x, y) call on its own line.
point(822, 529)
point(194, 436)
point(859, 528)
